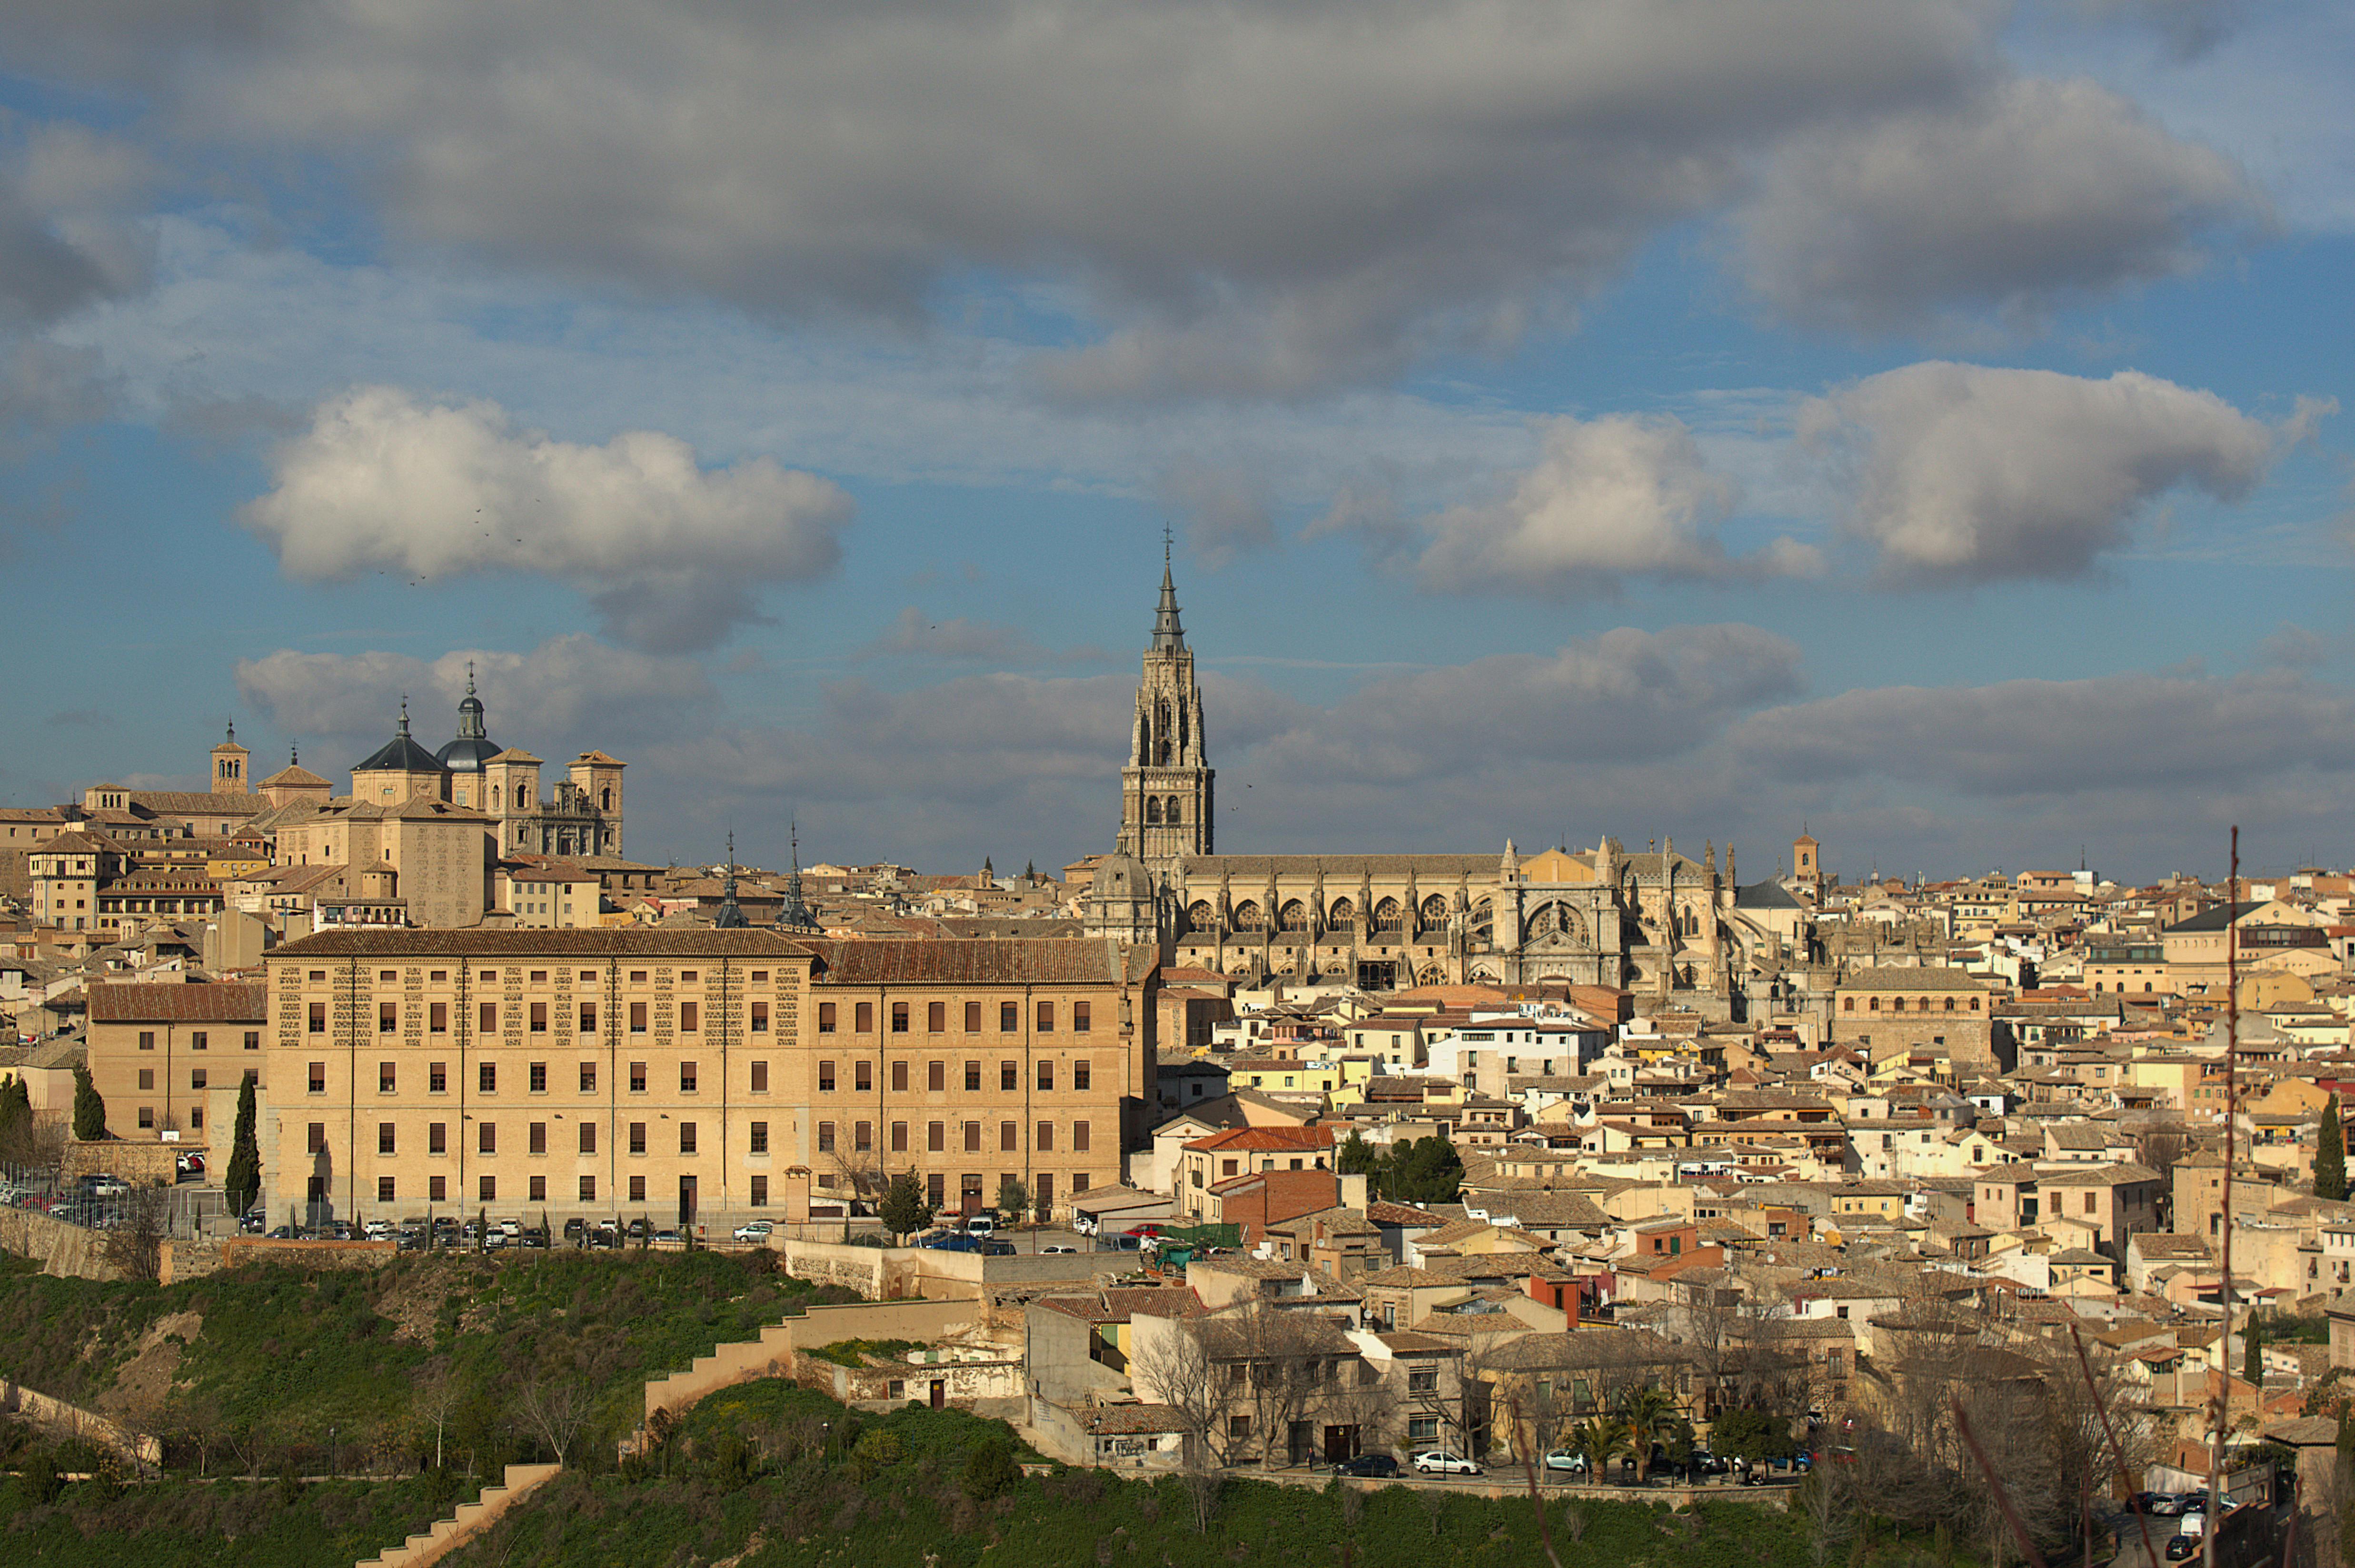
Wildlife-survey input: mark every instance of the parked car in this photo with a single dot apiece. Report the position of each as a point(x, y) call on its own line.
point(2180, 1547)
point(981, 1225)
point(1150, 1228)
point(996, 1249)
point(956, 1242)
point(1440, 1462)
point(1380, 1466)
point(755, 1231)
point(189, 1164)
point(513, 1228)
point(1058, 1247)
point(1567, 1459)
point(576, 1230)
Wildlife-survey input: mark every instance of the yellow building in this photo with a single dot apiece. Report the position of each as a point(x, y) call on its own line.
point(697, 1073)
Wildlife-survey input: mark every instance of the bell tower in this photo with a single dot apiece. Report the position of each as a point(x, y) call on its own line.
point(1165, 799)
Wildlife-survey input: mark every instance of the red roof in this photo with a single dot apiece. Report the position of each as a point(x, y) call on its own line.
point(1248, 1140)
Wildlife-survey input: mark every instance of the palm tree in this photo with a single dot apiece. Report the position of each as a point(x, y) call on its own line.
point(1599, 1441)
point(1651, 1414)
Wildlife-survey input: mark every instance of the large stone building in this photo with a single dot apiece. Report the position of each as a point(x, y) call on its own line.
point(701, 1075)
point(581, 815)
point(171, 1056)
point(1677, 932)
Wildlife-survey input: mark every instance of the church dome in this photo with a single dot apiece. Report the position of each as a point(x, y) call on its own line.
point(473, 748)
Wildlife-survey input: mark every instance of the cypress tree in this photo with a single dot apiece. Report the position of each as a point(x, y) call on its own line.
point(2253, 1353)
point(243, 1181)
point(2331, 1156)
point(89, 1111)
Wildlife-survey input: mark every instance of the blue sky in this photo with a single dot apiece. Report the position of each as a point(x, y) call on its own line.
point(1677, 419)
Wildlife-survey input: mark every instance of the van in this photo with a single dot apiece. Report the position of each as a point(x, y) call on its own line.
point(981, 1225)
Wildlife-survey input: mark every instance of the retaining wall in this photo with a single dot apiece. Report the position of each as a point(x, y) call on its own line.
point(773, 1354)
point(471, 1520)
point(59, 1419)
point(69, 1252)
point(314, 1254)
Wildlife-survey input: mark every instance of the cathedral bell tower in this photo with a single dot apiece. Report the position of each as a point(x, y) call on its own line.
point(1166, 801)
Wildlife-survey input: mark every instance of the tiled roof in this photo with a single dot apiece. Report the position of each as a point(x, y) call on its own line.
point(1041, 961)
point(634, 941)
point(155, 1002)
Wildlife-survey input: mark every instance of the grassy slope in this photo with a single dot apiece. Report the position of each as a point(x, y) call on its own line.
point(185, 1524)
point(819, 1508)
point(298, 1350)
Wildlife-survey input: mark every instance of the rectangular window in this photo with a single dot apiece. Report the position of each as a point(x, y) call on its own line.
point(935, 1189)
point(899, 1078)
point(637, 1018)
point(687, 1137)
point(540, 1190)
point(973, 1018)
point(1009, 1077)
point(196, 1080)
point(318, 1143)
point(538, 1072)
point(587, 1138)
point(437, 1018)
point(1046, 1139)
point(388, 1018)
point(386, 1077)
point(899, 1018)
point(486, 1188)
point(384, 1189)
point(588, 1078)
point(487, 1137)
point(863, 1137)
point(899, 1137)
point(486, 1077)
point(637, 1077)
point(691, 1018)
point(973, 1137)
point(1080, 1075)
point(826, 1137)
point(146, 1040)
point(638, 1137)
point(539, 1018)
point(687, 1078)
point(1008, 1138)
point(760, 1078)
point(588, 1190)
point(760, 1196)
point(384, 1137)
point(537, 1138)
point(864, 1017)
point(826, 1017)
point(318, 1078)
point(862, 1074)
point(1010, 1017)
point(936, 1138)
point(973, 1077)
point(197, 1040)
point(760, 1137)
point(1046, 1077)
point(488, 1018)
point(147, 1078)
point(437, 1137)
point(1079, 1138)
point(437, 1078)
point(826, 1077)
point(318, 1017)
point(437, 1189)
point(588, 1017)
point(1046, 1194)
point(1046, 1018)
point(1079, 1018)
point(936, 1016)
point(638, 1190)
point(253, 1040)
point(936, 1076)
point(759, 1018)
point(637, 977)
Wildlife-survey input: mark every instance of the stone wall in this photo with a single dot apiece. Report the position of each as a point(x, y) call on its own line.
point(310, 1254)
point(69, 1252)
point(58, 1419)
point(774, 1353)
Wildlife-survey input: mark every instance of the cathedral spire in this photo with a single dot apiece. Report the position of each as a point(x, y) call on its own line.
point(1169, 636)
point(794, 914)
point(730, 917)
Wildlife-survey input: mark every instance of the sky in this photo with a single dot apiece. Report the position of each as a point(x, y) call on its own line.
point(1918, 423)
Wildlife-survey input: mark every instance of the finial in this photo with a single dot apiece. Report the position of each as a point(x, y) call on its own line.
point(1168, 539)
point(470, 677)
point(232, 730)
point(404, 713)
point(295, 754)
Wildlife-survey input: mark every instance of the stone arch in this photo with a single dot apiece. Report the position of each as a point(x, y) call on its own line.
point(1431, 976)
point(1173, 813)
point(1387, 916)
point(1199, 915)
point(1153, 810)
point(1556, 919)
point(1341, 916)
point(1292, 916)
point(1248, 916)
point(1434, 911)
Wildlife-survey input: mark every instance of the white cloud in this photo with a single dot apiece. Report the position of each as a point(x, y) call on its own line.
point(2031, 195)
point(1614, 498)
point(671, 554)
point(1964, 474)
point(1228, 508)
point(568, 694)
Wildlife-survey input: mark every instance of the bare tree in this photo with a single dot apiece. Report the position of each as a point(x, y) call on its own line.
point(1175, 1366)
point(1823, 1501)
point(1203, 1483)
point(434, 1399)
point(555, 1409)
point(135, 1245)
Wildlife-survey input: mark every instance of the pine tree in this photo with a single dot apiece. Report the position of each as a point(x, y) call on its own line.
point(89, 1111)
point(903, 1210)
point(2331, 1156)
point(243, 1181)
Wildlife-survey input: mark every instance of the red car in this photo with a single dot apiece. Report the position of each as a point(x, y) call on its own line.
point(1147, 1230)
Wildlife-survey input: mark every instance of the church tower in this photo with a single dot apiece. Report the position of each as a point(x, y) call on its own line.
point(1166, 801)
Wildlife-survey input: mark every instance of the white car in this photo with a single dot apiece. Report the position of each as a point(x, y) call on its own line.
point(1440, 1462)
point(1566, 1459)
point(1058, 1247)
point(981, 1225)
point(756, 1231)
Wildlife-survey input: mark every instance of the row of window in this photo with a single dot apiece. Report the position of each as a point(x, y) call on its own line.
point(538, 976)
point(861, 1135)
point(1897, 1005)
point(1009, 1018)
point(536, 1190)
point(198, 1078)
point(936, 1077)
point(486, 1077)
point(486, 1016)
point(199, 1039)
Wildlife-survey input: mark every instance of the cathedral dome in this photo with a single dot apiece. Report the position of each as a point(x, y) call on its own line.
point(473, 748)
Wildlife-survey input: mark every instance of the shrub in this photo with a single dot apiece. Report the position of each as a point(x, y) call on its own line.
point(989, 1471)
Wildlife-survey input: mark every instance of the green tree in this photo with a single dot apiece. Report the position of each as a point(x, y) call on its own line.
point(2252, 1352)
point(243, 1182)
point(990, 1470)
point(1746, 1432)
point(2330, 1155)
point(903, 1210)
point(90, 1110)
point(1427, 1170)
point(1013, 1198)
point(1356, 1157)
point(1652, 1416)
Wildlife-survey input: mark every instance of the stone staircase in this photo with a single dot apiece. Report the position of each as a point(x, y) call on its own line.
point(447, 1535)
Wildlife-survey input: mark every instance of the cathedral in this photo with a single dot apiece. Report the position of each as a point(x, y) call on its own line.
point(1675, 932)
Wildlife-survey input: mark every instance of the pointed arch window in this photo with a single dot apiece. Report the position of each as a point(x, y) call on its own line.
point(1173, 813)
point(1153, 810)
